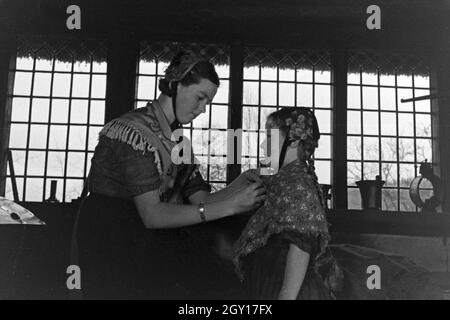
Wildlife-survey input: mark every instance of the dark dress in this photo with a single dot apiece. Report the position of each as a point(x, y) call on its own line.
point(121, 259)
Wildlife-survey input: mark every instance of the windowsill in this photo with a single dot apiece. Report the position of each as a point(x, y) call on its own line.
point(390, 222)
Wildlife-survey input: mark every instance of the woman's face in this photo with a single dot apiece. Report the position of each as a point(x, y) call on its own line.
point(192, 99)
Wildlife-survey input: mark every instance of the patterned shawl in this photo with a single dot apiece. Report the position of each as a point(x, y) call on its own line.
point(294, 203)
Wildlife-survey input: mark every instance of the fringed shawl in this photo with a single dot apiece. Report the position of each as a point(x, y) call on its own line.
point(294, 204)
point(146, 130)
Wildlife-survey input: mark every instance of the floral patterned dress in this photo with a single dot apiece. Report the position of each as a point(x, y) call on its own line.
point(292, 214)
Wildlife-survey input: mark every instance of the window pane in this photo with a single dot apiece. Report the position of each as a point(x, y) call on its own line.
point(287, 74)
point(97, 115)
point(40, 109)
point(77, 137)
point(249, 143)
point(422, 105)
point(24, 63)
point(82, 66)
point(324, 120)
point(354, 172)
point(287, 94)
point(18, 136)
point(406, 124)
point(354, 122)
point(55, 165)
point(389, 200)
point(60, 111)
point(304, 95)
point(388, 124)
point(423, 125)
point(18, 162)
point(98, 89)
point(323, 171)
point(217, 168)
point(421, 81)
point(20, 109)
point(322, 76)
point(250, 118)
point(389, 149)
point(405, 94)
point(146, 88)
point(58, 137)
point(424, 150)
point(324, 149)
point(38, 135)
point(222, 92)
point(370, 98)
point(61, 85)
point(354, 148)
point(404, 80)
point(202, 121)
point(371, 170)
point(59, 188)
point(353, 78)
point(369, 78)
point(73, 189)
point(251, 73)
point(268, 93)
point(268, 73)
point(406, 150)
point(36, 163)
point(147, 67)
point(93, 137)
point(387, 79)
point(75, 164)
point(79, 111)
point(354, 199)
point(387, 97)
point(8, 190)
point(370, 123)
point(42, 84)
point(219, 117)
point(323, 96)
point(22, 83)
point(251, 93)
point(354, 97)
point(218, 143)
point(405, 201)
point(371, 148)
point(33, 190)
point(304, 75)
point(80, 85)
point(389, 174)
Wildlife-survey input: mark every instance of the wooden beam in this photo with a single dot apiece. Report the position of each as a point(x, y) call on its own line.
point(7, 62)
point(235, 98)
point(123, 52)
point(440, 80)
point(339, 143)
point(394, 223)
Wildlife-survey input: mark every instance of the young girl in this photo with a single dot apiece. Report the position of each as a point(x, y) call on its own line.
point(277, 254)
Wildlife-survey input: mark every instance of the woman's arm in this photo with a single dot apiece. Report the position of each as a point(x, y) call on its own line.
point(156, 214)
point(294, 274)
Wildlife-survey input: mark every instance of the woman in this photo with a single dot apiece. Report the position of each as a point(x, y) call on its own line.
point(135, 186)
point(280, 251)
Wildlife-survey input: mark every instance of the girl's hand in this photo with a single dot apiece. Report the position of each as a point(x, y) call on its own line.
point(246, 178)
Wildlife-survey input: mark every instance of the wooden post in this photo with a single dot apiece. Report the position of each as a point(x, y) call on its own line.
point(123, 52)
point(440, 80)
point(7, 62)
point(235, 97)
point(339, 60)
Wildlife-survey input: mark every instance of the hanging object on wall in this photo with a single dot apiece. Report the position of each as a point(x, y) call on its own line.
point(430, 204)
point(371, 193)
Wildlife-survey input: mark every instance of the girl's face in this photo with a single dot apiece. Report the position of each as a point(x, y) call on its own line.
point(192, 99)
point(275, 137)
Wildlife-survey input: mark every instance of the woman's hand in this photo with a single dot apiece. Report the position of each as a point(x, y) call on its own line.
point(248, 197)
point(245, 178)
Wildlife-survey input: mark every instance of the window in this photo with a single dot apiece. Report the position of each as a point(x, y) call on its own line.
point(58, 109)
point(386, 136)
point(208, 131)
point(277, 78)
